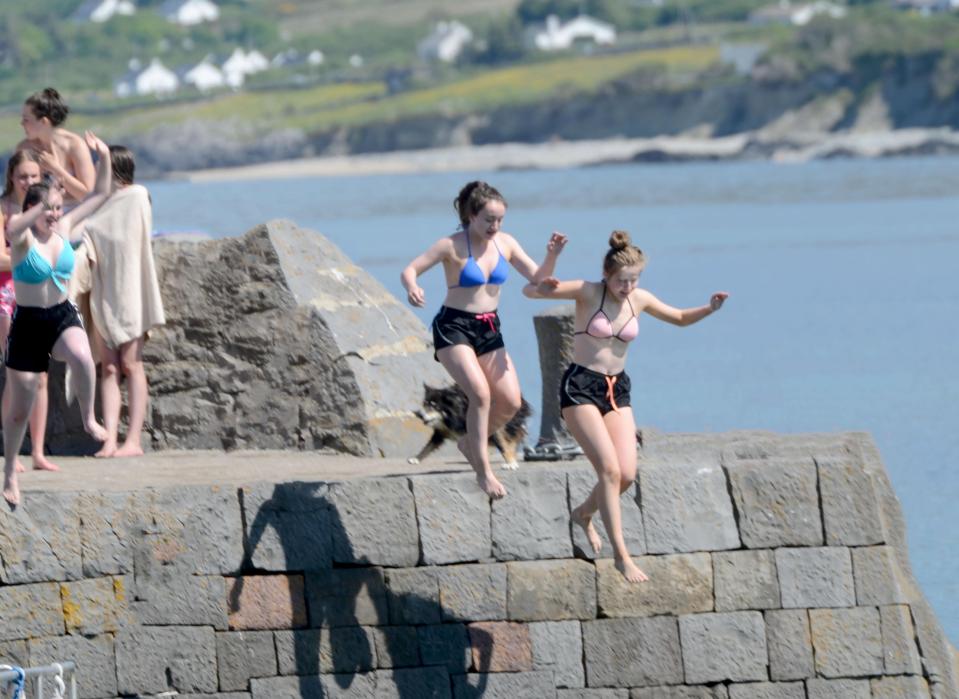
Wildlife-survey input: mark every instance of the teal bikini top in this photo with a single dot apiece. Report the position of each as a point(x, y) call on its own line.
point(35, 269)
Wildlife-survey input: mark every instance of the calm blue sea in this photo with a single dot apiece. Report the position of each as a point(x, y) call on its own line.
point(844, 307)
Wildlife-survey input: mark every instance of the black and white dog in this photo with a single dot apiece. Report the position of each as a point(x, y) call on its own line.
point(444, 409)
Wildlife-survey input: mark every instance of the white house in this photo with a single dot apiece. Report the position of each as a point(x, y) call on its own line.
point(189, 12)
point(445, 43)
point(103, 10)
point(155, 79)
point(241, 64)
point(557, 36)
point(784, 12)
point(205, 76)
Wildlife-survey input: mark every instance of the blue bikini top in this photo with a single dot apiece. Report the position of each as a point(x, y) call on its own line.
point(35, 269)
point(472, 275)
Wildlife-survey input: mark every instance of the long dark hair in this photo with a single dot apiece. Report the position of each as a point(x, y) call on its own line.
point(473, 197)
point(48, 103)
point(36, 193)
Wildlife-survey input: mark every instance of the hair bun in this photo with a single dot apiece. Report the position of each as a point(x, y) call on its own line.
point(619, 240)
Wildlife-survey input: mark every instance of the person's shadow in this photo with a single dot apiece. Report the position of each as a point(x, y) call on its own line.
point(342, 600)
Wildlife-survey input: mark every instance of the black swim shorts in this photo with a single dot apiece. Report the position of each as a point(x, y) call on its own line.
point(582, 386)
point(480, 331)
point(35, 331)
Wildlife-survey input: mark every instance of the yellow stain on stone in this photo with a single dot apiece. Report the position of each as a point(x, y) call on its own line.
point(336, 303)
point(408, 345)
point(119, 591)
point(71, 610)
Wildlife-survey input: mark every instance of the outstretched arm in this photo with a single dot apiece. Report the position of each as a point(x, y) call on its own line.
point(524, 264)
point(437, 252)
point(69, 224)
point(553, 288)
point(680, 316)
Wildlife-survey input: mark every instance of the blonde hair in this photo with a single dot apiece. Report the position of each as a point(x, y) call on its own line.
point(622, 253)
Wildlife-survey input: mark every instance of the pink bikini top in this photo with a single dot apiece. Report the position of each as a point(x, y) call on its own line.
point(601, 327)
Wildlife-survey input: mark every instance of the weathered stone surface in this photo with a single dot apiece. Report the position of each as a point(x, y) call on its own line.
point(346, 649)
point(632, 652)
point(504, 685)
point(533, 522)
point(95, 606)
point(347, 597)
point(777, 501)
point(900, 656)
point(219, 695)
point(847, 642)
point(30, 611)
point(454, 518)
point(767, 690)
point(678, 584)
point(554, 335)
point(551, 590)
point(745, 580)
point(581, 482)
point(592, 694)
point(396, 646)
point(558, 647)
point(900, 688)
point(789, 643)
point(106, 536)
point(243, 655)
point(374, 522)
point(815, 577)
point(165, 597)
point(40, 539)
point(96, 668)
point(445, 644)
point(727, 646)
point(426, 682)
point(837, 689)
point(413, 596)
point(14, 653)
point(686, 505)
point(473, 592)
point(288, 526)
point(159, 659)
point(500, 646)
point(878, 578)
point(290, 688)
point(850, 507)
point(257, 602)
point(694, 692)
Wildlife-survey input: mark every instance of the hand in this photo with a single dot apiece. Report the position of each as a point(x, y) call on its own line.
point(49, 162)
point(547, 285)
point(556, 243)
point(94, 143)
point(416, 297)
point(717, 299)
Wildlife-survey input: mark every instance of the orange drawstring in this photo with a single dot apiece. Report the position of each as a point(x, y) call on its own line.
point(610, 382)
point(487, 318)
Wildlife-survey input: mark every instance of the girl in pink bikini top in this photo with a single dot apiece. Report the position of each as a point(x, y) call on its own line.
point(601, 327)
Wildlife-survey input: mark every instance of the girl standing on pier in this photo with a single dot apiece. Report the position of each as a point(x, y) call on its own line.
point(594, 391)
point(466, 331)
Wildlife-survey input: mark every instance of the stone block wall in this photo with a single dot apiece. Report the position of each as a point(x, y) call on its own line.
point(777, 569)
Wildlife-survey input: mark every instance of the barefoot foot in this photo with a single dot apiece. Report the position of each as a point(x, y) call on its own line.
point(491, 486)
point(11, 490)
point(630, 570)
point(95, 430)
point(586, 522)
point(108, 449)
point(19, 467)
point(129, 450)
point(42, 463)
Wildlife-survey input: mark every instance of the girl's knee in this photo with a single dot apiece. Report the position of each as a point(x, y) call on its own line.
point(110, 370)
point(625, 481)
point(131, 368)
point(609, 473)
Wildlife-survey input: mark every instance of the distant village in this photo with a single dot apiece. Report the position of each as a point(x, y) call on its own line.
point(445, 44)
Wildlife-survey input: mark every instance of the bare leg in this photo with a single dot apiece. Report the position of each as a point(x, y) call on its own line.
point(23, 387)
point(460, 361)
point(131, 363)
point(6, 405)
point(5, 322)
point(109, 395)
point(505, 396)
point(592, 433)
point(38, 427)
point(73, 348)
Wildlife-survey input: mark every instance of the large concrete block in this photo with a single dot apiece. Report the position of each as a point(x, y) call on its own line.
point(678, 584)
point(900, 688)
point(558, 648)
point(96, 669)
point(551, 590)
point(837, 689)
point(288, 688)
point(374, 522)
point(720, 647)
point(686, 505)
point(777, 501)
point(345, 649)
point(157, 659)
point(815, 577)
point(396, 646)
point(592, 693)
point(581, 482)
point(900, 655)
point(632, 652)
point(768, 690)
point(447, 645)
point(425, 682)
point(288, 526)
point(243, 655)
point(167, 597)
point(790, 644)
point(30, 611)
point(413, 596)
point(14, 653)
point(501, 646)
point(878, 576)
point(473, 592)
point(98, 605)
point(850, 505)
point(745, 580)
point(532, 522)
point(504, 685)
point(346, 597)
point(259, 602)
point(454, 518)
point(106, 532)
point(40, 539)
point(717, 691)
point(847, 642)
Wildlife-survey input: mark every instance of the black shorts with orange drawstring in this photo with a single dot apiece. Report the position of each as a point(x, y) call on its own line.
point(481, 331)
point(582, 386)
